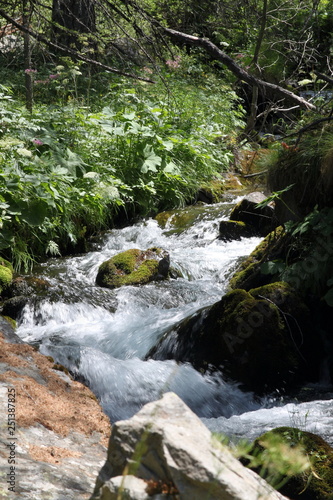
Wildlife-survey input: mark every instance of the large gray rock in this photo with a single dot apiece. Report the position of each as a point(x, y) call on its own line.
point(165, 442)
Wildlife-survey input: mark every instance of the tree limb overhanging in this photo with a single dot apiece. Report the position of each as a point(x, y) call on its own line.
point(219, 55)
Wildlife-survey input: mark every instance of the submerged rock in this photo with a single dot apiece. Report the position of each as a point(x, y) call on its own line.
point(134, 267)
point(261, 338)
point(165, 445)
point(314, 482)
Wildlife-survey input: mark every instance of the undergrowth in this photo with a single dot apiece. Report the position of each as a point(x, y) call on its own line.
point(67, 167)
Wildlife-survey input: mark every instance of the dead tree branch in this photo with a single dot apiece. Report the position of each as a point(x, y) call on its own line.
point(219, 55)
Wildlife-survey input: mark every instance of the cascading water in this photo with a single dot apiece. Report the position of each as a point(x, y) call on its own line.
point(104, 335)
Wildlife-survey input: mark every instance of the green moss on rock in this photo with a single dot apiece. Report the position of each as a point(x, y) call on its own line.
point(6, 274)
point(315, 483)
point(11, 321)
point(133, 267)
point(248, 275)
point(6, 263)
point(177, 219)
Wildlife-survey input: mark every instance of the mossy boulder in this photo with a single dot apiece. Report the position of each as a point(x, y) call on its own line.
point(315, 482)
point(249, 274)
point(234, 230)
point(134, 267)
point(177, 219)
point(248, 336)
point(6, 274)
point(261, 220)
point(211, 192)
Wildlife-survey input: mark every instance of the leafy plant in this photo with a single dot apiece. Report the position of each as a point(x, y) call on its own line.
point(65, 170)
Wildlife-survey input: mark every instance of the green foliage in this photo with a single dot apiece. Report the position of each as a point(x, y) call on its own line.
point(308, 260)
point(272, 457)
point(66, 169)
point(296, 462)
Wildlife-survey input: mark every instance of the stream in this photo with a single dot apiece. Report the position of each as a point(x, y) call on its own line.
point(103, 335)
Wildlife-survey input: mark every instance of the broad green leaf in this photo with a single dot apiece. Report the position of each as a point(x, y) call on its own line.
point(168, 145)
point(171, 168)
point(129, 116)
point(272, 267)
point(151, 160)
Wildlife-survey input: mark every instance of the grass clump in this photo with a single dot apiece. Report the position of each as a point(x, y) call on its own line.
point(297, 463)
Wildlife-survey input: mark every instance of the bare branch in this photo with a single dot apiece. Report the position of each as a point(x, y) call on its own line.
point(218, 55)
point(67, 50)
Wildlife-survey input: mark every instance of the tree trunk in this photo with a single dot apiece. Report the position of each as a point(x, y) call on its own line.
point(72, 18)
point(255, 89)
point(26, 8)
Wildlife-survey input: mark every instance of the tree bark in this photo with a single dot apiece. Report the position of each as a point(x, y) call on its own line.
point(255, 89)
point(71, 18)
point(27, 57)
point(249, 78)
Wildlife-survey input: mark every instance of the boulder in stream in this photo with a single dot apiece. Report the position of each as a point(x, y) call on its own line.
point(230, 230)
point(134, 267)
point(165, 448)
point(261, 338)
point(260, 220)
point(60, 433)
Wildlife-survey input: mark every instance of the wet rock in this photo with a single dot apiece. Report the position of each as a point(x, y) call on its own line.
point(7, 327)
point(211, 192)
point(166, 443)
point(261, 220)
point(13, 307)
point(315, 482)
point(230, 230)
point(21, 291)
point(61, 432)
point(177, 219)
point(27, 286)
point(261, 338)
point(134, 267)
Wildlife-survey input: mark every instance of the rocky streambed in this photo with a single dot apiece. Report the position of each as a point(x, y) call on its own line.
point(182, 333)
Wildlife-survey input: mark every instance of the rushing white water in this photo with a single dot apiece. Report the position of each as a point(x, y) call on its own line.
point(104, 335)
